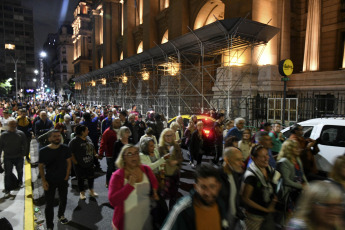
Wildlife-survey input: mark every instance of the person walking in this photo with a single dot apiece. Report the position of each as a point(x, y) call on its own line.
point(25, 125)
point(258, 191)
point(43, 125)
point(129, 191)
point(202, 208)
point(55, 166)
point(167, 144)
point(237, 129)
point(231, 175)
point(106, 148)
point(83, 153)
point(277, 139)
point(13, 143)
point(196, 147)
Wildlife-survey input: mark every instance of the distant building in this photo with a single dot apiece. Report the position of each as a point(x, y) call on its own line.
point(16, 28)
point(217, 66)
point(59, 61)
point(82, 56)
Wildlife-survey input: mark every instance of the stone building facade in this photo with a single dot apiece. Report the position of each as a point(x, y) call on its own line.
point(311, 35)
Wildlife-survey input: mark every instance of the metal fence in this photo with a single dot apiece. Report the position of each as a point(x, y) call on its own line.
point(255, 110)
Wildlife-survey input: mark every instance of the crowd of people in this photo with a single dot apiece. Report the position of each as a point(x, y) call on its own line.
point(256, 180)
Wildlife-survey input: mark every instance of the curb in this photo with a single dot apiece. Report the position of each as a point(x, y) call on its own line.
point(28, 203)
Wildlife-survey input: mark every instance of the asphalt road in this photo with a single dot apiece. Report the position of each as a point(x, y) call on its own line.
point(96, 213)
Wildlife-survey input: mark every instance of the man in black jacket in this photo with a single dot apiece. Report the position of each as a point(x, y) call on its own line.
point(43, 125)
point(231, 173)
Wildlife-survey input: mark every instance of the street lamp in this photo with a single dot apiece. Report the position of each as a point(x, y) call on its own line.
point(42, 56)
point(13, 47)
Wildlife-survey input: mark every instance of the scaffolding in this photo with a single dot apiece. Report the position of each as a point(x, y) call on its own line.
point(189, 74)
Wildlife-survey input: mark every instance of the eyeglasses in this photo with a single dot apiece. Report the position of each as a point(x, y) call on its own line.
point(328, 205)
point(131, 154)
point(169, 135)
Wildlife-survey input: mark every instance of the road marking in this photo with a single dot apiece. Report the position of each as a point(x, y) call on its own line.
point(29, 209)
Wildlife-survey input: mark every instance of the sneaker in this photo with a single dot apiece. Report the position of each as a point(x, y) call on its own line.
point(93, 193)
point(82, 196)
point(63, 220)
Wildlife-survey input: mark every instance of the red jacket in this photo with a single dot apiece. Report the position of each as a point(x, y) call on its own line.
point(107, 142)
point(118, 193)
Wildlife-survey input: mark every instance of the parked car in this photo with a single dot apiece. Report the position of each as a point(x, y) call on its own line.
point(208, 130)
point(331, 134)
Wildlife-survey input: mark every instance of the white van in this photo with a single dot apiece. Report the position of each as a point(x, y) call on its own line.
point(332, 139)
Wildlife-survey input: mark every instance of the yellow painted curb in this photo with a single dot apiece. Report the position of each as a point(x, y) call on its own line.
point(29, 207)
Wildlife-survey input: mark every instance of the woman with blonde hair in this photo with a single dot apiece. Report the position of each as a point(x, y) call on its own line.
point(176, 127)
point(321, 206)
point(129, 189)
point(337, 173)
point(291, 169)
point(167, 144)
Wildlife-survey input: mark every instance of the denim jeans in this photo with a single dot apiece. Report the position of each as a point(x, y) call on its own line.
point(8, 166)
point(50, 196)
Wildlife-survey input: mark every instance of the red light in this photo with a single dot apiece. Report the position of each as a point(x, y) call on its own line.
point(207, 132)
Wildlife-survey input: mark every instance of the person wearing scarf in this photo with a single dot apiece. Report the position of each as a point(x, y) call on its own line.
point(167, 144)
point(258, 193)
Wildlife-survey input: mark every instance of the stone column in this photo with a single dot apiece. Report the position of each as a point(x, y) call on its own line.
point(150, 25)
point(111, 30)
point(178, 18)
point(129, 24)
point(312, 38)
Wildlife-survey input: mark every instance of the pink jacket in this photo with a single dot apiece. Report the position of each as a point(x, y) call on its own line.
point(118, 193)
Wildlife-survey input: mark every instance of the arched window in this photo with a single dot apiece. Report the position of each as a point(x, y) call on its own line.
point(140, 47)
point(209, 13)
point(165, 37)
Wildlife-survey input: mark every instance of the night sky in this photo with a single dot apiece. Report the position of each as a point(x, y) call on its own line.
point(48, 16)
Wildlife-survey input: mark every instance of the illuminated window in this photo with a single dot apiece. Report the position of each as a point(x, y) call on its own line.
point(165, 37)
point(141, 11)
point(164, 4)
point(121, 56)
point(209, 13)
point(122, 25)
point(343, 66)
point(140, 48)
point(101, 63)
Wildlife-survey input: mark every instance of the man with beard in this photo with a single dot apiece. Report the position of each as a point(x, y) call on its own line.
point(202, 209)
point(55, 166)
point(230, 174)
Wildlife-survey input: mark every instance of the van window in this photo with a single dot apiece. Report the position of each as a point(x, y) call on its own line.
point(306, 132)
point(333, 135)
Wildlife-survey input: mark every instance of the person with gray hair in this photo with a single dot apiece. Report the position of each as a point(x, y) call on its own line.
point(122, 140)
point(237, 130)
point(321, 206)
point(13, 143)
point(67, 124)
point(231, 173)
point(149, 155)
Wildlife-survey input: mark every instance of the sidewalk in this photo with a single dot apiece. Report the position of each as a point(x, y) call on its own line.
point(18, 207)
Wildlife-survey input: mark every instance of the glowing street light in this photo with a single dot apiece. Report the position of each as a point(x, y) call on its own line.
point(42, 56)
point(13, 47)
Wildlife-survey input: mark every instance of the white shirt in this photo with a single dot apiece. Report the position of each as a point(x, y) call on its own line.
point(4, 123)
